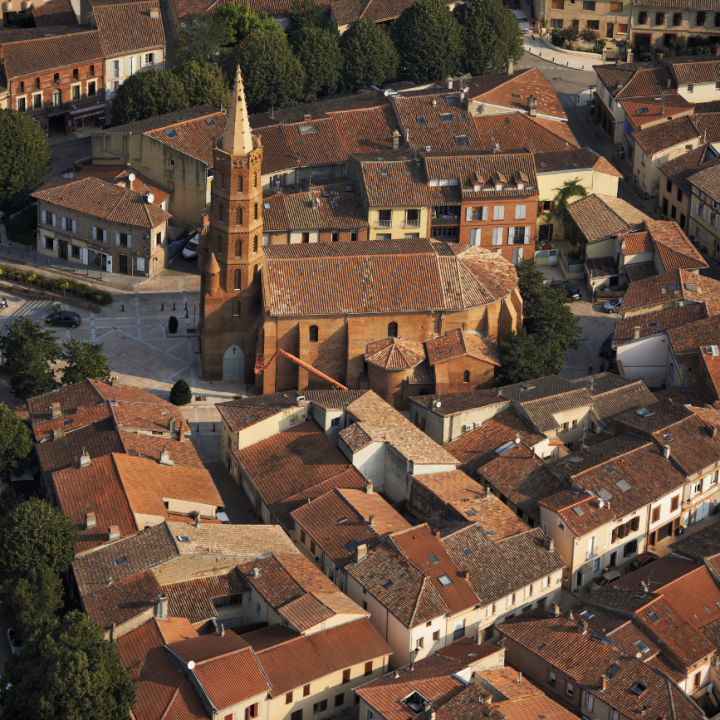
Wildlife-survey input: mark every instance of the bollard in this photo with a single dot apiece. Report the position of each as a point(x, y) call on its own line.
point(186, 313)
point(213, 427)
point(122, 308)
point(162, 307)
point(173, 307)
point(197, 429)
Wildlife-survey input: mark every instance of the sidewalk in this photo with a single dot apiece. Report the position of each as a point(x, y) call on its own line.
point(534, 46)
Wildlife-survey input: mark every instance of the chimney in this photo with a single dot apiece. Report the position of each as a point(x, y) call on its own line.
point(511, 66)
point(256, 572)
point(395, 140)
point(165, 458)
point(437, 534)
point(496, 148)
point(643, 586)
point(713, 432)
point(396, 674)
point(583, 627)
point(90, 521)
point(161, 607)
point(449, 81)
point(570, 615)
point(604, 681)
point(519, 678)
point(466, 575)
point(181, 436)
point(115, 381)
point(371, 521)
point(669, 83)
point(84, 459)
point(368, 487)
point(556, 610)
point(550, 545)
point(55, 411)
point(360, 552)
point(58, 433)
point(197, 519)
point(636, 332)
point(307, 117)
point(518, 439)
point(666, 452)
point(154, 14)
point(488, 491)
point(221, 630)
point(113, 532)
point(172, 424)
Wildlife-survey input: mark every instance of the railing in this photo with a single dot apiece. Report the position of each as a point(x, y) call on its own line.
point(446, 221)
point(412, 223)
point(590, 554)
point(384, 223)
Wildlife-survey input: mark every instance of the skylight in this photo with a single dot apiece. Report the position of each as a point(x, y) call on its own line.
point(587, 614)
point(642, 647)
point(433, 558)
point(266, 206)
point(642, 111)
point(461, 141)
point(673, 287)
point(603, 494)
point(341, 520)
point(668, 438)
point(120, 561)
point(470, 513)
point(171, 133)
point(445, 580)
point(183, 538)
point(210, 121)
point(467, 551)
point(446, 117)
point(622, 485)
point(505, 447)
point(653, 325)
point(575, 459)
point(691, 288)
point(515, 95)
point(610, 468)
point(306, 129)
point(654, 616)
point(420, 120)
point(644, 412)
point(387, 585)
point(638, 688)
point(383, 171)
point(451, 100)
point(578, 511)
point(612, 671)
point(352, 546)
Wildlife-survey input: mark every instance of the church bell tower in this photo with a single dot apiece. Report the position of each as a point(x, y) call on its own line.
point(230, 297)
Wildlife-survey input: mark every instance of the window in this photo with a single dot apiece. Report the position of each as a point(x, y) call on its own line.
point(595, 25)
point(92, 89)
point(56, 79)
point(551, 679)
point(462, 141)
point(497, 236)
point(589, 5)
point(302, 537)
point(313, 333)
point(240, 184)
point(254, 180)
point(655, 514)
point(616, 7)
point(466, 376)
point(297, 715)
point(288, 698)
point(21, 105)
point(334, 236)
point(320, 706)
point(238, 248)
point(622, 27)
point(238, 280)
point(150, 59)
point(691, 88)
point(545, 582)
point(717, 22)
point(630, 548)
point(393, 329)
point(312, 547)
point(370, 714)
point(659, 18)
point(91, 72)
point(306, 690)
point(436, 636)
point(76, 74)
point(589, 702)
point(339, 699)
point(252, 711)
point(75, 92)
point(520, 212)
point(677, 19)
point(642, 18)
point(236, 308)
point(700, 18)
point(675, 503)
point(21, 87)
point(420, 643)
point(255, 244)
point(569, 689)
point(255, 211)
point(368, 668)
point(499, 212)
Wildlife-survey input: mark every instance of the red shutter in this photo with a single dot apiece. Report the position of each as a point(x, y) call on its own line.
point(552, 205)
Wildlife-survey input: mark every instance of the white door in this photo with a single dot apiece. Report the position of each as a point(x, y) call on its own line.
point(704, 510)
point(108, 263)
point(233, 363)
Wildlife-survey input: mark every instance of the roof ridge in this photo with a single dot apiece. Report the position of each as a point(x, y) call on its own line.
point(222, 655)
point(174, 695)
point(283, 642)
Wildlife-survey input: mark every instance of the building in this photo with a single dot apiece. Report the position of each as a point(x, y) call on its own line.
point(610, 20)
point(92, 222)
point(704, 209)
point(657, 26)
point(684, 345)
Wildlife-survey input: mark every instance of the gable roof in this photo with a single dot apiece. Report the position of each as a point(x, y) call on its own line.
point(671, 286)
point(573, 159)
point(462, 343)
point(600, 216)
point(128, 27)
point(657, 322)
point(518, 131)
point(659, 138)
point(687, 339)
point(681, 169)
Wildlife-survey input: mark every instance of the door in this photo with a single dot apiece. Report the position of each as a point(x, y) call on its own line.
point(704, 510)
point(610, 30)
point(123, 264)
point(546, 232)
point(63, 250)
point(233, 363)
point(108, 263)
point(613, 558)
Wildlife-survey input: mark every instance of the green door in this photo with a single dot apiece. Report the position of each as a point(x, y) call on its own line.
point(233, 363)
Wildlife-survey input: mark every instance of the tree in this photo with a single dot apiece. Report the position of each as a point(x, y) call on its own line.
point(369, 56)
point(67, 671)
point(240, 21)
point(272, 75)
point(181, 394)
point(30, 601)
point(318, 50)
point(84, 360)
point(15, 439)
point(28, 349)
point(24, 156)
point(525, 356)
point(148, 94)
point(490, 36)
point(428, 39)
point(560, 213)
point(204, 84)
point(306, 14)
point(35, 533)
point(201, 37)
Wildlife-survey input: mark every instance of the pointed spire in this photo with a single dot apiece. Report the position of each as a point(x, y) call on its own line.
point(237, 139)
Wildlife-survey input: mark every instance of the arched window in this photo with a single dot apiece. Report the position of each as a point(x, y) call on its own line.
point(254, 180)
point(466, 376)
point(255, 212)
point(239, 183)
point(238, 248)
point(236, 308)
point(256, 273)
point(238, 279)
point(255, 244)
point(313, 333)
point(238, 215)
point(221, 212)
point(392, 329)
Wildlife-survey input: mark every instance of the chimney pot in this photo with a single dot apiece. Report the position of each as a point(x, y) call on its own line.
point(368, 487)
point(643, 586)
point(604, 681)
point(371, 521)
point(556, 610)
point(519, 677)
point(154, 13)
point(161, 607)
point(511, 66)
point(256, 571)
point(84, 459)
point(307, 117)
point(570, 615)
point(58, 433)
point(360, 552)
point(165, 458)
point(115, 381)
point(113, 532)
point(449, 81)
point(221, 629)
point(437, 534)
point(395, 140)
point(666, 452)
point(636, 332)
point(90, 520)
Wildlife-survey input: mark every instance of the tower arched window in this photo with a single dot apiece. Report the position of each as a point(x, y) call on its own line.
point(255, 212)
point(239, 183)
point(238, 215)
point(254, 180)
point(221, 211)
point(238, 279)
point(466, 376)
point(255, 244)
point(236, 308)
point(313, 333)
point(256, 273)
point(392, 329)
point(238, 248)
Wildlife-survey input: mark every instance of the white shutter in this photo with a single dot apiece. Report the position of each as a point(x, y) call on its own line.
point(54, 220)
point(468, 214)
point(43, 216)
point(511, 235)
point(142, 60)
point(43, 242)
point(527, 235)
point(54, 244)
point(485, 213)
point(63, 223)
point(74, 225)
point(117, 238)
point(141, 264)
point(104, 235)
point(84, 255)
point(94, 233)
point(129, 239)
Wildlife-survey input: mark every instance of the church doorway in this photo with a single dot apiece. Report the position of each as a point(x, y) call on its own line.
point(233, 363)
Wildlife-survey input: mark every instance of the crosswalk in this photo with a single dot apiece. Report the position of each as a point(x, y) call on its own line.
point(32, 309)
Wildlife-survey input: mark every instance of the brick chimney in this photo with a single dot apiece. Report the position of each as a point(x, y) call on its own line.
point(115, 381)
point(369, 487)
point(604, 681)
point(55, 411)
point(90, 520)
point(532, 106)
point(360, 552)
point(113, 532)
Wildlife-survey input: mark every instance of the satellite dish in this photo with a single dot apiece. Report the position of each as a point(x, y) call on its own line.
point(637, 655)
point(191, 665)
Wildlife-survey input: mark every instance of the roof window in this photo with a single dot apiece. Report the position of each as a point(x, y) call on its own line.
point(306, 129)
point(467, 551)
point(638, 688)
point(612, 671)
point(446, 117)
point(642, 647)
point(610, 468)
point(387, 585)
point(383, 171)
point(505, 447)
point(654, 616)
point(578, 511)
point(491, 532)
point(451, 100)
point(575, 459)
point(644, 412)
point(470, 513)
point(622, 485)
point(603, 494)
point(420, 120)
point(673, 287)
point(352, 546)
point(517, 95)
point(445, 580)
point(433, 558)
point(527, 386)
point(668, 438)
point(210, 122)
point(120, 561)
point(341, 520)
point(587, 614)
point(652, 325)
point(691, 288)
point(462, 141)
point(183, 538)
point(171, 133)
point(643, 111)
point(266, 206)
point(249, 417)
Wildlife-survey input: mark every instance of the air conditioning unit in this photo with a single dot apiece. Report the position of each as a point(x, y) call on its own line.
point(478, 424)
point(467, 428)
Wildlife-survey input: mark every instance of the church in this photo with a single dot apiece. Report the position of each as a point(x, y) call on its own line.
point(402, 317)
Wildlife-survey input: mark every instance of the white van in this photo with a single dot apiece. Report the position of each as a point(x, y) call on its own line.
point(522, 20)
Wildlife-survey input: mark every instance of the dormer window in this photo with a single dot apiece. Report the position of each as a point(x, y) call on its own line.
point(521, 186)
point(477, 188)
point(498, 187)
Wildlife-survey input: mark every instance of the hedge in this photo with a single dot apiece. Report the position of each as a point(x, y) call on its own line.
point(22, 227)
point(70, 286)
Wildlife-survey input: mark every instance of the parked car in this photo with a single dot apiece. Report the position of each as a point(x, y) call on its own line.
point(605, 579)
point(606, 349)
point(612, 306)
point(14, 641)
point(573, 292)
point(223, 518)
point(67, 317)
point(642, 559)
point(190, 251)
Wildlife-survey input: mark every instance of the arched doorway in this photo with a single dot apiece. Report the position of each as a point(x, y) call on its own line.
point(233, 363)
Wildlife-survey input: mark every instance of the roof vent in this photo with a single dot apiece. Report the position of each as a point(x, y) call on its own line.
point(84, 459)
point(165, 458)
point(256, 571)
point(113, 532)
point(90, 520)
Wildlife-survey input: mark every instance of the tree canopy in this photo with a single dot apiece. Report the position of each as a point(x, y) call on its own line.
point(369, 56)
point(560, 213)
point(205, 83)
point(307, 14)
point(272, 75)
point(28, 349)
point(30, 601)
point(35, 533)
point(15, 439)
point(84, 360)
point(490, 36)
point(25, 156)
point(67, 671)
point(428, 39)
point(318, 51)
point(201, 37)
point(180, 394)
point(148, 94)
point(241, 21)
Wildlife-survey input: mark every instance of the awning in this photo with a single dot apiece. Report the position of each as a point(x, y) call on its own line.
point(87, 110)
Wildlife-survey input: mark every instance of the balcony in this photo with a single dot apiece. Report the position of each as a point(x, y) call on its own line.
point(412, 223)
point(591, 554)
point(383, 223)
point(439, 221)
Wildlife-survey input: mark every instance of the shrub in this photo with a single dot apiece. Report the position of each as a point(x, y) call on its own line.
point(173, 324)
point(589, 35)
point(557, 37)
point(571, 34)
point(22, 227)
point(70, 286)
point(181, 394)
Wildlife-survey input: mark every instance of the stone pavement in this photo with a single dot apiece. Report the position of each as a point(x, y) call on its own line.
point(534, 46)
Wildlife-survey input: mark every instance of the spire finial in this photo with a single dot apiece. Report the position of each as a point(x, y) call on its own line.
point(237, 139)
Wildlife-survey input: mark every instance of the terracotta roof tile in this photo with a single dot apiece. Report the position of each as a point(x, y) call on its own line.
point(687, 339)
point(468, 651)
point(142, 183)
point(640, 271)
point(146, 416)
point(682, 168)
point(692, 446)
point(45, 430)
point(659, 138)
point(633, 80)
point(192, 599)
point(517, 131)
point(675, 249)
point(56, 12)
point(394, 353)
point(460, 343)
point(643, 110)
point(194, 137)
point(707, 181)
point(671, 286)
point(572, 159)
point(700, 545)
point(459, 402)
point(71, 398)
point(269, 636)
point(698, 68)
point(139, 444)
point(128, 27)
point(708, 124)
point(600, 216)
point(657, 322)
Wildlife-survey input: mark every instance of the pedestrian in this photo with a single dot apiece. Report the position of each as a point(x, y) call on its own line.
point(602, 366)
point(592, 368)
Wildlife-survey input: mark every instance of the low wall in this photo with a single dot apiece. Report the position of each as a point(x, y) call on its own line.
point(575, 53)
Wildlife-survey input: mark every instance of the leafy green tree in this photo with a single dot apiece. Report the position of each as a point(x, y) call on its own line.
point(15, 439)
point(429, 41)
point(306, 14)
point(201, 37)
point(67, 671)
point(28, 349)
point(525, 356)
point(272, 75)
point(181, 394)
point(490, 36)
point(204, 84)
point(24, 156)
point(560, 213)
point(369, 56)
point(25, 19)
point(241, 21)
point(30, 601)
point(84, 360)
point(148, 94)
point(318, 50)
point(35, 533)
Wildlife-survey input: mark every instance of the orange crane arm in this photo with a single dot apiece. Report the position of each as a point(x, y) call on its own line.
point(261, 366)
